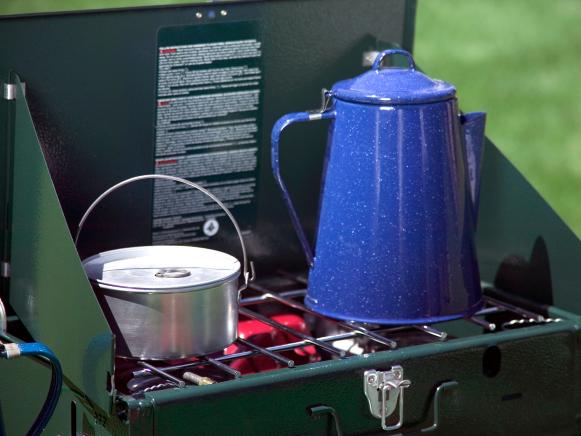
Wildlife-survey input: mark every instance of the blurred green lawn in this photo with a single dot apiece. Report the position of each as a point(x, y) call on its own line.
point(520, 61)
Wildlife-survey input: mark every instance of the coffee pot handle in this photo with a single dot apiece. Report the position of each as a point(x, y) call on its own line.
point(277, 130)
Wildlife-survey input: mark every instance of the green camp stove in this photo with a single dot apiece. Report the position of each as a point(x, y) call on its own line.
point(92, 94)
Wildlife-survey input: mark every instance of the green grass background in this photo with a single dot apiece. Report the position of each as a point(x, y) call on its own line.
point(520, 61)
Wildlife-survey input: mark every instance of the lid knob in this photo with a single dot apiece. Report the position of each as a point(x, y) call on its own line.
point(172, 273)
point(381, 56)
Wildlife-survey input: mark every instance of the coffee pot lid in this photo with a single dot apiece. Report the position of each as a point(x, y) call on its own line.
point(393, 85)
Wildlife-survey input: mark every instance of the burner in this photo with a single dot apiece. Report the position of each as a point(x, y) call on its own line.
point(254, 333)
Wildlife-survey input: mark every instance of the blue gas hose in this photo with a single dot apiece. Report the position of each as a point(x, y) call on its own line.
point(11, 351)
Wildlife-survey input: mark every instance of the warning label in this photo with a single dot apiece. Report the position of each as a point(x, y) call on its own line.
point(209, 93)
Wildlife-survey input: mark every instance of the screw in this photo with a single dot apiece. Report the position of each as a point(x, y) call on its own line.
point(371, 379)
point(223, 12)
point(199, 15)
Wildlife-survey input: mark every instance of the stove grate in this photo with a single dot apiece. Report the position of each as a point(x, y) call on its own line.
point(382, 337)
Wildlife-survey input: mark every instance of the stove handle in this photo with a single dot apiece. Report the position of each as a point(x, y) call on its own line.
point(441, 388)
point(319, 410)
point(281, 124)
point(248, 266)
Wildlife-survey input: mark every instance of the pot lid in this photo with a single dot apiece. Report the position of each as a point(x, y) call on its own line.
point(161, 269)
point(393, 85)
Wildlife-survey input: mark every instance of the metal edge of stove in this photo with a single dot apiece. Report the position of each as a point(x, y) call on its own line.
point(382, 358)
point(524, 247)
point(25, 7)
point(41, 243)
point(323, 373)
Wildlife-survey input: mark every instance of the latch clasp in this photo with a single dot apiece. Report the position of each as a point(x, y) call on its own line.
point(384, 392)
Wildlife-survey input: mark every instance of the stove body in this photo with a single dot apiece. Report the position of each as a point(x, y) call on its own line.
point(82, 110)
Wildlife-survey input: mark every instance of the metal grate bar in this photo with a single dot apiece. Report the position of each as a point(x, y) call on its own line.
point(243, 354)
point(490, 326)
point(518, 310)
point(223, 367)
point(314, 341)
point(275, 356)
point(348, 326)
point(489, 311)
point(431, 331)
point(354, 330)
point(371, 335)
point(164, 374)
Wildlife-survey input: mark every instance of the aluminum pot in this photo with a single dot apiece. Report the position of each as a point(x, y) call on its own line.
point(168, 302)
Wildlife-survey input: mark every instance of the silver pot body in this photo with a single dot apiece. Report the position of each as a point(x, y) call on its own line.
point(171, 325)
point(168, 302)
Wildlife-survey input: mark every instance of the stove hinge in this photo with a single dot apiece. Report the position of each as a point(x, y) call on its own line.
point(9, 90)
point(9, 94)
point(4, 269)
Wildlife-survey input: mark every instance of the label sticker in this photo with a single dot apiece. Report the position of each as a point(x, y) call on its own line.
point(211, 227)
point(209, 112)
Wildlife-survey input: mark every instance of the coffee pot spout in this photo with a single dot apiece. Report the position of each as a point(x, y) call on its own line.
point(473, 125)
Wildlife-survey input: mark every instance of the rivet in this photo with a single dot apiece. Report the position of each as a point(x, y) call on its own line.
point(199, 15)
point(223, 12)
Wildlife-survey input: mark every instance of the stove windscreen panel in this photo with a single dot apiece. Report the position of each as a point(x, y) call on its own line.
point(95, 89)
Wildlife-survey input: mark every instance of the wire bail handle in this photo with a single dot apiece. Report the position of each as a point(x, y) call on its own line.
point(247, 266)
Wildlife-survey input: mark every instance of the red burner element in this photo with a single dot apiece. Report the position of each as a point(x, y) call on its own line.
point(265, 336)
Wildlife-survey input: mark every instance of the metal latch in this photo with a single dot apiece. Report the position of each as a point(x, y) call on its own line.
point(384, 392)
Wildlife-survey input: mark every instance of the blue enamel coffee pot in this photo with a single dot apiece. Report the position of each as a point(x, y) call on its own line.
point(399, 201)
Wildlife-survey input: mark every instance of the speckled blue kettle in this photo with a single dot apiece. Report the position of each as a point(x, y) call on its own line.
point(395, 239)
